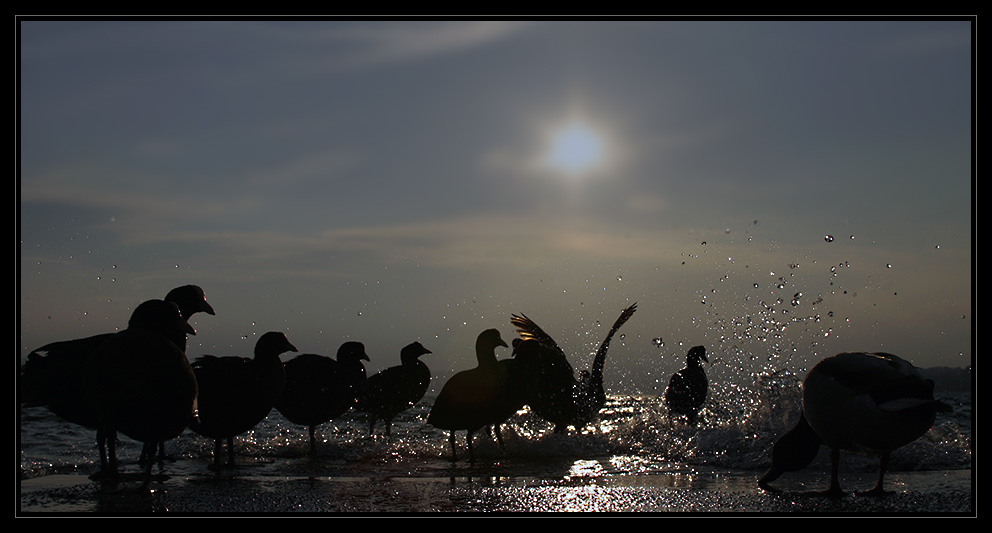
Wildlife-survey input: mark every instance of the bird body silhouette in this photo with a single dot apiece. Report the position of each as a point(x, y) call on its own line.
point(141, 383)
point(523, 381)
point(560, 398)
point(687, 388)
point(861, 402)
point(471, 399)
point(320, 389)
point(395, 389)
point(51, 376)
point(236, 393)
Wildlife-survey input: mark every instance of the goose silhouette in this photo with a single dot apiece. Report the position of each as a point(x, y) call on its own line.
point(687, 388)
point(320, 389)
point(860, 402)
point(395, 389)
point(236, 393)
point(52, 375)
point(561, 399)
point(523, 380)
point(471, 399)
point(141, 383)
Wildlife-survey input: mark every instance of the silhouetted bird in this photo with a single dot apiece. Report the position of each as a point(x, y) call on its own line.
point(560, 398)
point(395, 389)
point(52, 374)
point(687, 389)
point(236, 393)
point(320, 389)
point(861, 402)
point(470, 400)
point(141, 383)
point(523, 381)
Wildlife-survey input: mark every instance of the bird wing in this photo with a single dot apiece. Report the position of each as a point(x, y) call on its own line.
point(528, 329)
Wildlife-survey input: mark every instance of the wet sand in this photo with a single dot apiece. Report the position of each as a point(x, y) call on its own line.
point(944, 494)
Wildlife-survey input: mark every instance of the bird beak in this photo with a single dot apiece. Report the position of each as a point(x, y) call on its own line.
point(206, 308)
point(188, 328)
point(291, 347)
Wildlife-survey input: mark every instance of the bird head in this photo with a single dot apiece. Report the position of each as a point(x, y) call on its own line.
point(412, 351)
point(696, 353)
point(490, 339)
point(273, 343)
point(161, 316)
point(190, 299)
point(352, 350)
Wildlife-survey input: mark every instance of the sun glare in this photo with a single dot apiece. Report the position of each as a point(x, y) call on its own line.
point(575, 149)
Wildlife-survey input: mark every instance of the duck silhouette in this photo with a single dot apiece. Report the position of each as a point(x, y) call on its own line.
point(141, 383)
point(320, 389)
point(860, 402)
point(395, 389)
point(52, 374)
point(471, 399)
point(561, 399)
point(236, 393)
point(687, 388)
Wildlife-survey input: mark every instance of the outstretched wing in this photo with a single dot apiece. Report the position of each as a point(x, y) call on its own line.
point(528, 329)
point(600, 359)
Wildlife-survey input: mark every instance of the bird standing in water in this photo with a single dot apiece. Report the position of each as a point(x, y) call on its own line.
point(395, 389)
point(52, 374)
point(236, 393)
point(471, 399)
point(687, 389)
point(141, 383)
point(320, 389)
point(523, 380)
point(559, 397)
point(860, 402)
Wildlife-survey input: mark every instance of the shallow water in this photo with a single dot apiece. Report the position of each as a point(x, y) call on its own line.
point(631, 459)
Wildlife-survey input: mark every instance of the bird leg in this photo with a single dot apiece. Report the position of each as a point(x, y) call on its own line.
point(218, 447)
point(471, 454)
point(451, 439)
point(230, 451)
point(148, 452)
point(834, 491)
point(313, 440)
point(878, 490)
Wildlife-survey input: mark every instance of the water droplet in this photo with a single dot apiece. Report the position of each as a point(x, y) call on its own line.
point(658, 341)
point(829, 238)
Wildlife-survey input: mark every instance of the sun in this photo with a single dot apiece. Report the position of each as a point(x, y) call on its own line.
point(575, 149)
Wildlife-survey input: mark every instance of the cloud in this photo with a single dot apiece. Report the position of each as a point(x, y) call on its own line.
point(403, 40)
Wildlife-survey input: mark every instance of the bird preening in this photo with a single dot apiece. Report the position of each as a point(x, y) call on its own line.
point(859, 402)
point(559, 397)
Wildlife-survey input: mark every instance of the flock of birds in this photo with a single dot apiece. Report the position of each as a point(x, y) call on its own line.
point(139, 382)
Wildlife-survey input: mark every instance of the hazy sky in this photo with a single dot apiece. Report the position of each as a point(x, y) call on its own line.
point(396, 181)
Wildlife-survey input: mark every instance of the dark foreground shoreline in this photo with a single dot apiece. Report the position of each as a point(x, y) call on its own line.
point(943, 494)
